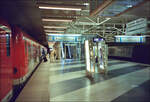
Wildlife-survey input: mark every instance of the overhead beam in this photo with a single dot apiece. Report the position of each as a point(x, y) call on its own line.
point(101, 7)
point(47, 13)
point(131, 8)
point(89, 23)
point(86, 23)
point(97, 25)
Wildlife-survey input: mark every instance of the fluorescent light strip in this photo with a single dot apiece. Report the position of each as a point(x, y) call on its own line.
point(53, 31)
point(86, 4)
point(55, 27)
point(63, 34)
point(60, 8)
point(57, 20)
point(47, 33)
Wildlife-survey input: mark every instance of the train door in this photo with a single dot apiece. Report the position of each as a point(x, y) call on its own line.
point(40, 54)
point(19, 62)
point(30, 59)
point(35, 54)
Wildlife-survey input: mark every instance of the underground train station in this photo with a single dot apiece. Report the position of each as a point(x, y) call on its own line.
point(74, 50)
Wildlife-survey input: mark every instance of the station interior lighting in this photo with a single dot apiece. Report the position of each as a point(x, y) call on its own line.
point(53, 31)
point(62, 27)
point(53, 34)
point(60, 8)
point(56, 20)
point(86, 4)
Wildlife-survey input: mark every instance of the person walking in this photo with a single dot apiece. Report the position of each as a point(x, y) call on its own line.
point(53, 53)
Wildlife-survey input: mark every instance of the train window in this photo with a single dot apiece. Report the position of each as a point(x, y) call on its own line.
point(8, 44)
point(29, 50)
point(25, 47)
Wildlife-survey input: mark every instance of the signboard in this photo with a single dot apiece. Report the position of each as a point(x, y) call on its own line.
point(97, 39)
point(130, 39)
point(65, 38)
point(69, 37)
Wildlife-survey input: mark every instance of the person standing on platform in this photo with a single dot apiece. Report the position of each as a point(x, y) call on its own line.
point(53, 53)
point(44, 55)
point(43, 52)
point(48, 52)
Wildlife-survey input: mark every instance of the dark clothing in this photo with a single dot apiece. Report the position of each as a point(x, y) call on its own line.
point(48, 51)
point(44, 55)
point(45, 59)
point(43, 52)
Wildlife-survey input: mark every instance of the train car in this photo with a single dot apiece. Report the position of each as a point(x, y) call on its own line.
point(20, 55)
point(27, 53)
point(6, 54)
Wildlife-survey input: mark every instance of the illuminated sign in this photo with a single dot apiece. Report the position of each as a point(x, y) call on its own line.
point(130, 39)
point(69, 39)
point(65, 38)
point(97, 39)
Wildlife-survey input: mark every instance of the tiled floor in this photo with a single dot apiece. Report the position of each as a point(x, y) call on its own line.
point(66, 81)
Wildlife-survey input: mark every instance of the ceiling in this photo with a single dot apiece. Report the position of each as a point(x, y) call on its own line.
point(140, 10)
point(62, 14)
point(25, 15)
point(103, 17)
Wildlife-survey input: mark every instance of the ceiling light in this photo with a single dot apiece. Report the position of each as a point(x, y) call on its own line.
point(55, 27)
point(57, 20)
point(63, 34)
point(86, 4)
point(60, 8)
point(129, 6)
point(53, 31)
point(108, 18)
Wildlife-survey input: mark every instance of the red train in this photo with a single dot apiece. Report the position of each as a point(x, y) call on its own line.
point(19, 56)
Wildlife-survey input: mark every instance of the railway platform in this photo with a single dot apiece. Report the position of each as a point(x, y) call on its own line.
point(66, 81)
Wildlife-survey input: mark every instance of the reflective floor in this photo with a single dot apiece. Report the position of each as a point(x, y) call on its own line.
point(66, 81)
